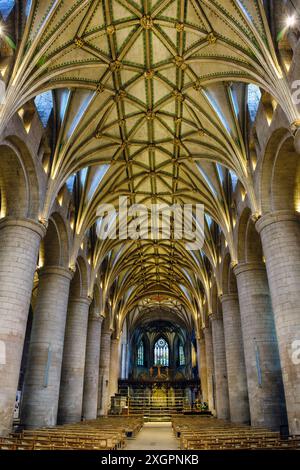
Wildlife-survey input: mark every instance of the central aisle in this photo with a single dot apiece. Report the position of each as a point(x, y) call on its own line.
point(154, 436)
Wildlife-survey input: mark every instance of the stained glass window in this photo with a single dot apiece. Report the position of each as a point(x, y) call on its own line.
point(254, 96)
point(28, 6)
point(181, 355)
point(161, 353)
point(234, 179)
point(6, 7)
point(70, 182)
point(44, 106)
point(140, 354)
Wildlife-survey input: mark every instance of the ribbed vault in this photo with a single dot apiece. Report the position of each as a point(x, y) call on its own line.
point(149, 98)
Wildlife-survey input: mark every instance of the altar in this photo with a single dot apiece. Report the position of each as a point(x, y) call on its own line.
point(159, 373)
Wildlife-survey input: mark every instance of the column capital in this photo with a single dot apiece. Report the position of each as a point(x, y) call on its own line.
point(96, 316)
point(115, 340)
point(200, 335)
point(56, 270)
point(229, 297)
point(107, 332)
point(201, 338)
point(206, 331)
point(81, 300)
point(251, 266)
point(29, 224)
point(275, 217)
point(216, 316)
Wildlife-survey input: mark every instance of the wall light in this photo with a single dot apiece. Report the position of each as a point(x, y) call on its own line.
point(290, 21)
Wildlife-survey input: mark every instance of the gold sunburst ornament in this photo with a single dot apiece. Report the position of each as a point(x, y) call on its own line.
point(148, 74)
point(211, 38)
point(146, 22)
point(111, 29)
point(79, 42)
point(179, 27)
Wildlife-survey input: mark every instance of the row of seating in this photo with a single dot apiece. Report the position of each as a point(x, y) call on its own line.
point(203, 433)
point(107, 433)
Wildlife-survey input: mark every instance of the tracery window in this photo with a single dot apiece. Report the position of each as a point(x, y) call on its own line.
point(70, 182)
point(6, 7)
point(181, 355)
point(44, 106)
point(140, 354)
point(161, 353)
point(253, 99)
point(234, 179)
point(28, 7)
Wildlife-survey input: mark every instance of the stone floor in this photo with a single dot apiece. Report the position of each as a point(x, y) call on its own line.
point(154, 436)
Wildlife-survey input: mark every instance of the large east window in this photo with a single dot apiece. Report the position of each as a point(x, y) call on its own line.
point(161, 353)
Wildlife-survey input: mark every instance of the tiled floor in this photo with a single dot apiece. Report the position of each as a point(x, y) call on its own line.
point(154, 436)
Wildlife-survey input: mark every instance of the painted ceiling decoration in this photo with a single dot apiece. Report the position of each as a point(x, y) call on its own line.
point(150, 97)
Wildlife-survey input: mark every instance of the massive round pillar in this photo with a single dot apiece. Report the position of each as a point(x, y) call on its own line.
point(280, 235)
point(72, 374)
point(92, 362)
point(209, 368)
point(220, 371)
point(114, 368)
point(235, 361)
point(265, 388)
point(19, 245)
point(104, 372)
point(202, 368)
point(42, 379)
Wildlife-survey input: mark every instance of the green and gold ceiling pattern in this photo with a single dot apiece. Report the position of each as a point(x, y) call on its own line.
point(152, 90)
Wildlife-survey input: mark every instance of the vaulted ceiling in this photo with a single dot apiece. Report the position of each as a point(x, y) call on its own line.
point(149, 98)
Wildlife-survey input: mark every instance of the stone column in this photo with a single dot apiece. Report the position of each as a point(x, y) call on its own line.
point(235, 361)
point(188, 360)
point(202, 368)
point(92, 363)
point(280, 235)
point(72, 373)
point(19, 246)
point(42, 379)
point(114, 367)
point(198, 355)
point(104, 370)
point(265, 388)
point(221, 385)
point(209, 368)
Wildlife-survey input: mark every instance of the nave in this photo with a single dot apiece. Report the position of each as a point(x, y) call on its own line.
point(110, 111)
